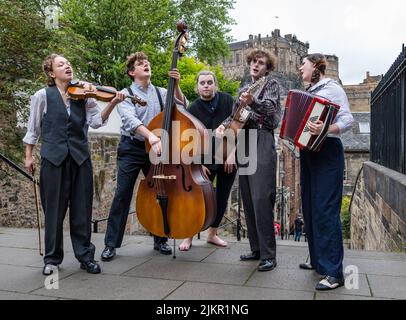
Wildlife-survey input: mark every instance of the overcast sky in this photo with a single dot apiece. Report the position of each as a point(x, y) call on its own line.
point(366, 35)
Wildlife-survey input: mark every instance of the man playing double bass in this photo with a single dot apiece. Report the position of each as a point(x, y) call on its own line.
point(131, 154)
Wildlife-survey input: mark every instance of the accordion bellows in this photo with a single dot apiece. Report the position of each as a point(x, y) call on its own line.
point(300, 108)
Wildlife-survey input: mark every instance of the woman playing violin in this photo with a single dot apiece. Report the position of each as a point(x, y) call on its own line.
point(66, 177)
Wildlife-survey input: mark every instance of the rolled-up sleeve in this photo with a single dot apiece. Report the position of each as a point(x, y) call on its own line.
point(37, 109)
point(344, 119)
point(128, 116)
point(93, 114)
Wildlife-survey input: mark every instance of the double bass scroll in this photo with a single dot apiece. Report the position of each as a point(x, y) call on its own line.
point(176, 199)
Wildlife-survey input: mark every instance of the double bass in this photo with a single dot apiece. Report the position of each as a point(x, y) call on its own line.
point(176, 199)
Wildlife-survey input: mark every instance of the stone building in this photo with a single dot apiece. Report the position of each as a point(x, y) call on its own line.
point(359, 95)
point(356, 144)
point(289, 52)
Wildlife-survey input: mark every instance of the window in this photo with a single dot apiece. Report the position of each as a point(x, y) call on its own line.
point(364, 128)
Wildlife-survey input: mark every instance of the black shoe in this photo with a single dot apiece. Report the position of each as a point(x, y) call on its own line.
point(90, 266)
point(267, 265)
point(254, 255)
point(49, 269)
point(108, 253)
point(330, 283)
point(306, 266)
point(163, 248)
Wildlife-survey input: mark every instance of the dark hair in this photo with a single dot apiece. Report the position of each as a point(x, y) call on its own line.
point(258, 53)
point(47, 67)
point(131, 59)
point(320, 65)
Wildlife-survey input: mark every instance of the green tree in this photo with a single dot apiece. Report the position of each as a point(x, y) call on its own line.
point(346, 217)
point(21, 55)
point(114, 29)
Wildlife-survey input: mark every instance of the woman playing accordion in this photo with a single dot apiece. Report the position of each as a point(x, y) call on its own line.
point(322, 174)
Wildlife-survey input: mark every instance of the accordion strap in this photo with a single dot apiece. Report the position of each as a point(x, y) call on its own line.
point(320, 87)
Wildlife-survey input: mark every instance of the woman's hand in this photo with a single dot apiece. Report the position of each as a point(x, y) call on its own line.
point(315, 127)
point(120, 97)
point(30, 165)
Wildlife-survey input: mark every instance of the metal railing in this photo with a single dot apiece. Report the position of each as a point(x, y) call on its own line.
point(388, 118)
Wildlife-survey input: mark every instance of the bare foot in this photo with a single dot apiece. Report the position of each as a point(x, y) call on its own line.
point(217, 241)
point(186, 244)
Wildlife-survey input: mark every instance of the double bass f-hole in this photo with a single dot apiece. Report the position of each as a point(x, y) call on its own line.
point(188, 188)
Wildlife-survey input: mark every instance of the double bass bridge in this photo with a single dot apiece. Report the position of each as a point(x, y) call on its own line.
point(164, 177)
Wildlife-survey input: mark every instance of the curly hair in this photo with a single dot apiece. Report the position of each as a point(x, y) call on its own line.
point(131, 59)
point(258, 53)
point(47, 67)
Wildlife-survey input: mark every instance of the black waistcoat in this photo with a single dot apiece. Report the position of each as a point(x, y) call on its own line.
point(61, 133)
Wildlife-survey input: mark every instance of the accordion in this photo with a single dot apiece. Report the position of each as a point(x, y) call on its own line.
point(300, 108)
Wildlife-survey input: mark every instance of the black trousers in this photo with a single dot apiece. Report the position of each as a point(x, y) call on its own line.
point(131, 159)
point(67, 185)
point(224, 184)
point(258, 192)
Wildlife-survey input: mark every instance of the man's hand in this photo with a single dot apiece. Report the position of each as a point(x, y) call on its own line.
point(230, 163)
point(155, 143)
point(174, 74)
point(206, 172)
point(246, 98)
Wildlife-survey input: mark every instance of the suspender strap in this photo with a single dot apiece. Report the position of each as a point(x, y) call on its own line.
point(157, 92)
point(131, 94)
point(159, 98)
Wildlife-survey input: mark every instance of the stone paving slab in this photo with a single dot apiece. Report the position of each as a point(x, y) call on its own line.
point(193, 271)
point(211, 291)
point(24, 279)
point(378, 267)
point(7, 295)
point(205, 272)
point(110, 287)
point(388, 287)
point(304, 280)
point(334, 296)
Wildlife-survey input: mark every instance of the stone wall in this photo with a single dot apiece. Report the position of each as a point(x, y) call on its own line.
point(359, 95)
point(17, 205)
point(378, 210)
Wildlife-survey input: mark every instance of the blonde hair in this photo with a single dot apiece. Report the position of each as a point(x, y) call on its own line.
point(206, 73)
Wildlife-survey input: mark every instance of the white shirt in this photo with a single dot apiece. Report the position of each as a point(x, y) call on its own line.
point(38, 108)
point(332, 91)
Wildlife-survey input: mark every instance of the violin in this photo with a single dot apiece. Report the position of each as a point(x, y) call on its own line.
point(80, 90)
